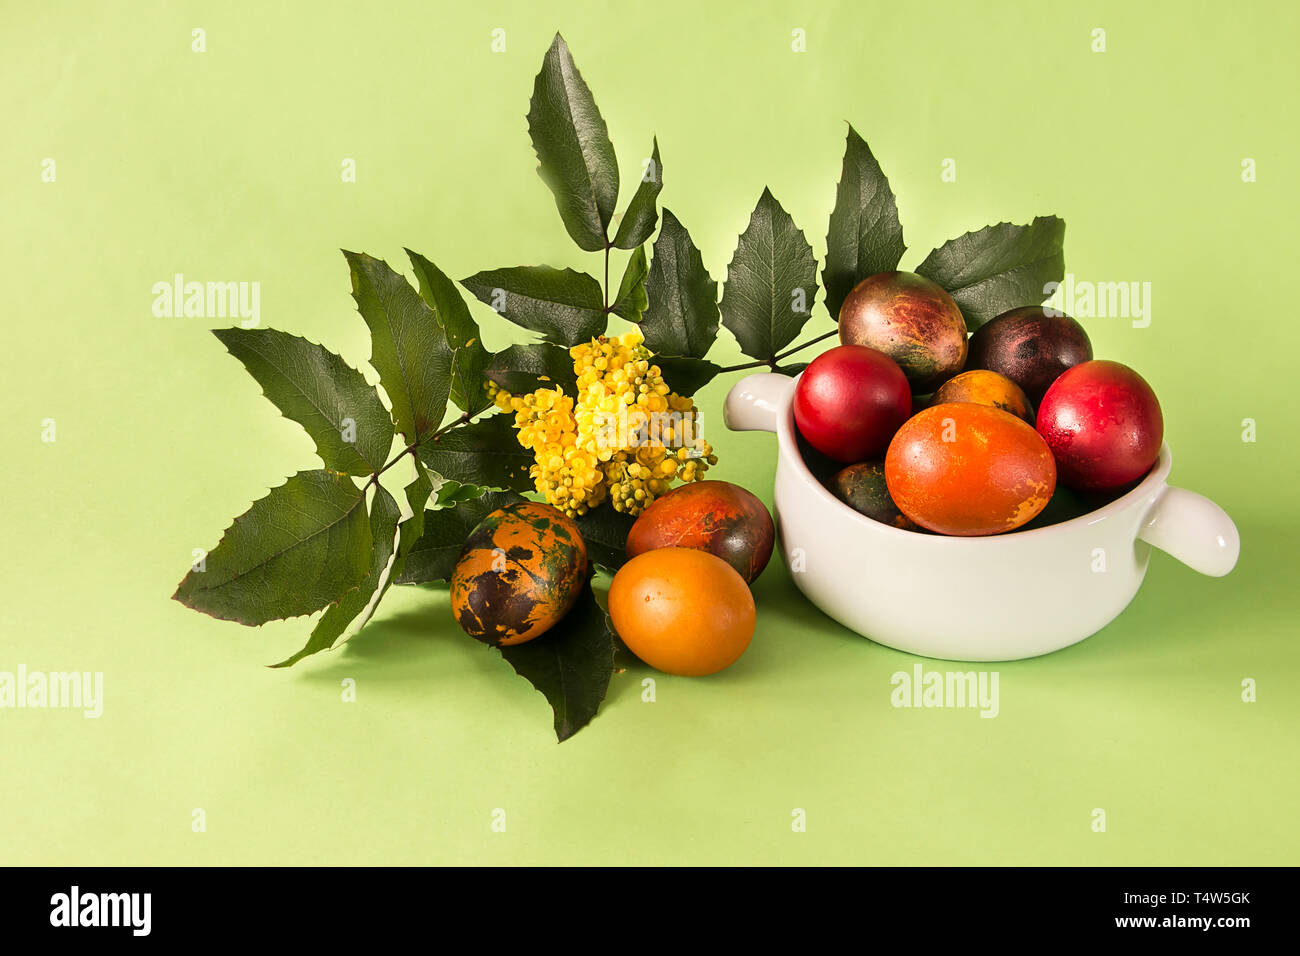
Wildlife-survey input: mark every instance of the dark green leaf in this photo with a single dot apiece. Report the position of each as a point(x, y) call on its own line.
point(793, 369)
point(864, 236)
point(564, 306)
point(452, 493)
point(355, 604)
point(999, 267)
point(604, 531)
point(318, 390)
point(682, 317)
point(570, 664)
point(469, 358)
point(433, 557)
point(417, 496)
point(576, 159)
point(771, 282)
point(631, 300)
point(526, 368)
point(293, 552)
point(686, 375)
point(639, 220)
point(468, 375)
point(408, 348)
point(485, 452)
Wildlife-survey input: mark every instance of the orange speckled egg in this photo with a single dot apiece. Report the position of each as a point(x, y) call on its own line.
point(520, 571)
point(986, 388)
point(966, 469)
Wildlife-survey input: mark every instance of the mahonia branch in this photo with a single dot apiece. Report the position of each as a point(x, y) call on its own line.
point(412, 448)
point(772, 362)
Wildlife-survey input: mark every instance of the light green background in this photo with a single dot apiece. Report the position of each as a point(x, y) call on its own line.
point(225, 165)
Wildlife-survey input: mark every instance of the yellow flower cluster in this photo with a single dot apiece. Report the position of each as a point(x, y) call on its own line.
point(624, 439)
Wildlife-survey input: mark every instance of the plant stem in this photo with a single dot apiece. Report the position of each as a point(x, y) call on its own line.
point(411, 449)
point(747, 365)
point(772, 362)
point(821, 338)
point(454, 423)
point(607, 275)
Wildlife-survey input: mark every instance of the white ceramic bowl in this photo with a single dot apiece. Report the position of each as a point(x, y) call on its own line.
point(999, 598)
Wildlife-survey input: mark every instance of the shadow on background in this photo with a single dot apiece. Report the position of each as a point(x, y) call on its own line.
point(1177, 619)
point(1176, 623)
point(409, 644)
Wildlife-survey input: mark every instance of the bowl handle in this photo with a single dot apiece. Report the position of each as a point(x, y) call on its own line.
point(754, 402)
point(1194, 530)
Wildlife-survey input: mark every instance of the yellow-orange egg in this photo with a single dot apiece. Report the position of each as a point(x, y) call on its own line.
point(682, 611)
point(965, 469)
